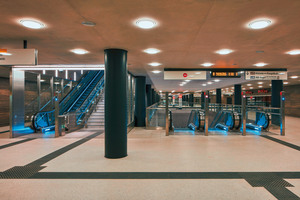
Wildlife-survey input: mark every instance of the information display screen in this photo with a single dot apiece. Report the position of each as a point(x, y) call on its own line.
point(228, 74)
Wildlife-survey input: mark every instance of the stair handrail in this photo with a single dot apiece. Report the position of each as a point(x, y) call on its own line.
point(90, 99)
point(74, 102)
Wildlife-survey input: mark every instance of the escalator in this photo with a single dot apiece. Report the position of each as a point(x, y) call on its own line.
point(186, 120)
point(76, 102)
point(228, 121)
point(262, 122)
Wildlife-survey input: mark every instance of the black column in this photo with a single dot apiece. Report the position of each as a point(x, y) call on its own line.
point(191, 99)
point(238, 94)
point(148, 94)
point(219, 95)
point(202, 99)
point(115, 103)
point(153, 96)
point(140, 101)
point(277, 87)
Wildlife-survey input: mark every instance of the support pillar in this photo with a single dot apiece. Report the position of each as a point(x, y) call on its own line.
point(167, 113)
point(148, 94)
point(277, 87)
point(191, 99)
point(238, 94)
point(219, 96)
point(202, 99)
point(140, 101)
point(153, 96)
point(115, 103)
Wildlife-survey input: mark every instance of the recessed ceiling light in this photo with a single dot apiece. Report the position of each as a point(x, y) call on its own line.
point(146, 23)
point(249, 84)
point(224, 51)
point(260, 86)
point(156, 71)
point(203, 84)
point(260, 83)
point(285, 83)
point(33, 24)
point(251, 87)
point(294, 52)
point(261, 64)
point(217, 80)
point(152, 51)
point(207, 64)
point(243, 88)
point(185, 91)
point(79, 51)
point(293, 77)
point(181, 84)
point(173, 91)
point(154, 64)
point(187, 80)
point(160, 91)
point(260, 23)
point(88, 23)
point(5, 54)
point(209, 83)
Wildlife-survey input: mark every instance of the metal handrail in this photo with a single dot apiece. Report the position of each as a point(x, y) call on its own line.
point(96, 76)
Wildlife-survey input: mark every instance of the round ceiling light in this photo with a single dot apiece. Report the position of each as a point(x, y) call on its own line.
point(207, 64)
point(156, 71)
point(260, 23)
point(79, 51)
point(154, 64)
point(151, 51)
point(293, 77)
point(224, 51)
point(217, 80)
point(146, 23)
point(33, 24)
point(5, 54)
point(294, 52)
point(261, 64)
point(88, 23)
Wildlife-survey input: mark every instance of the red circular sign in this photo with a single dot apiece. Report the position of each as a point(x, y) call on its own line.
point(185, 75)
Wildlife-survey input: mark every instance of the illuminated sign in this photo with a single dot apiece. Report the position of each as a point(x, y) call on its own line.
point(224, 74)
point(266, 75)
point(184, 75)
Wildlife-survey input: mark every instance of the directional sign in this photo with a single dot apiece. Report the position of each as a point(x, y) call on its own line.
point(266, 75)
point(181, 75)
point(18, 57)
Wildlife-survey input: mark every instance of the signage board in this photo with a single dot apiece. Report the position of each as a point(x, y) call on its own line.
point(182, 75)
point(19, 57)
point(224, 74)
point(266, 75)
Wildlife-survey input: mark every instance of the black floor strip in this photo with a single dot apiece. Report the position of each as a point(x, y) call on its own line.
point(293, 146)
point(4, 131)
point(164, 175)
point(282, 193)
point(61, 151)
point(15, 143)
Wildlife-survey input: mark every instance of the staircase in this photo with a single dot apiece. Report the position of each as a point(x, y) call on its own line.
point(96, 120)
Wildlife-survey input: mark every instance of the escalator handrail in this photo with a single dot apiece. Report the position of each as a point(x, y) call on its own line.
point(90, 102)
point(97, 87)
point(74, 102)
point(82, 81)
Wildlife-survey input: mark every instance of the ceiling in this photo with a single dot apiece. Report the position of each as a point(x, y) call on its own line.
point(188, 34)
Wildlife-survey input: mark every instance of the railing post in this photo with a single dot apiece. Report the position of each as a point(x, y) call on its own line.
point(282, 113)
point(167, 113)
point(244, 114)
point(206, 114)
point(56, 113)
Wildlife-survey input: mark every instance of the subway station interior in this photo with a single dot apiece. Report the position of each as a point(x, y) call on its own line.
point(161, 99)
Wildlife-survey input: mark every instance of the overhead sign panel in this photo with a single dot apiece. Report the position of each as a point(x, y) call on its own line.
point(182, 75)
point(266, 75)
point(18, 57)
point(224, 74)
